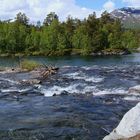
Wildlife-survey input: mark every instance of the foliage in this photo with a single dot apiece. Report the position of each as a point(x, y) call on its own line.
point(21, 19)
point(59, 38)
point(50, 18)
point(29, 65)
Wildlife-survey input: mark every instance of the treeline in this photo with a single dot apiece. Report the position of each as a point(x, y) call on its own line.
point(73, 36)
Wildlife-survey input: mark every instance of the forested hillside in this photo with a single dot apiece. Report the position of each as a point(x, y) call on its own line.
point(74, 36)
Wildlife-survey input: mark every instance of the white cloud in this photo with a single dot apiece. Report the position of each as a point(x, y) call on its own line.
point(135, 3)
point(38, 9)
point(109, 6)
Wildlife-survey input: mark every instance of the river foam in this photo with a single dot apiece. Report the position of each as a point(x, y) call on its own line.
point(9, 80)
point(15, 89)
point(83, 76)
point(79, 89)
point(94, 80)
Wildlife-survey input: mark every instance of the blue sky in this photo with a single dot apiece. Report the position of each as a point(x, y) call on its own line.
point(38, 9)
point(94, 4)
point(97, 4)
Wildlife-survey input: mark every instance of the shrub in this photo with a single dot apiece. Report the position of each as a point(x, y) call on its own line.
point(29, 65)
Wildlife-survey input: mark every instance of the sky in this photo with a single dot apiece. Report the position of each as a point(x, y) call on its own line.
point(38, 9)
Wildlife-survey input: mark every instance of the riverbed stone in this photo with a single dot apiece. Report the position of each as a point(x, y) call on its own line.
point(129, 126)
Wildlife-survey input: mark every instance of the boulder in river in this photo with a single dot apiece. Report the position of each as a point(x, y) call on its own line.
point(135, 89)
point(129, 126)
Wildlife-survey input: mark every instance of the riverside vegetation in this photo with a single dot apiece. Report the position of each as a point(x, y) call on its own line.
point(84, 37)
point(29, 65)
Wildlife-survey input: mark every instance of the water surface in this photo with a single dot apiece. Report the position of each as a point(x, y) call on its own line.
point(91, 96)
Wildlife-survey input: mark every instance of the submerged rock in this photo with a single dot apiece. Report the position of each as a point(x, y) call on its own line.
point(64, 93)
point(129, 126)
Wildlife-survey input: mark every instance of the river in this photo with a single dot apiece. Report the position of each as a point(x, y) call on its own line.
point(91, 97)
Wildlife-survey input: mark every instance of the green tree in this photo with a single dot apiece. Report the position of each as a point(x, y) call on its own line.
point(129, 40)
point(69, 30)
point(33, 40)
point(82, 41)
point(106, 18)
point(21, 18)
point(50, 18)
point(50, 37)
point(10, 39)
point(115, 33)
point(58, 38)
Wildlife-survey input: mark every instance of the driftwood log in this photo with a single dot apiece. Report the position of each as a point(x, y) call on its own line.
point(49, 71)
point(39, 75)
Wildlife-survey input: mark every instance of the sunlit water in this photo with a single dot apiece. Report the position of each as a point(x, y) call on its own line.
point(92, 98)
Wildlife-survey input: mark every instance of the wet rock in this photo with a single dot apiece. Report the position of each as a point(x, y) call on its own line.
point(135, 89)
point(64, 93)
point(111, 52)
point(35, 81)
point(54, 94)
point(108, 101)
point(129, 126)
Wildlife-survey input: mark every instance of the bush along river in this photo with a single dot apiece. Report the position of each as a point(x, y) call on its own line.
point(85, 100)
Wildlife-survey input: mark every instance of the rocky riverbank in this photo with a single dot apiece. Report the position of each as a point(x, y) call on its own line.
point(36, 76)
point(106, 52)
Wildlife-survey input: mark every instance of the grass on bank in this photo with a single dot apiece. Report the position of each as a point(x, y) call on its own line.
point(29, 65)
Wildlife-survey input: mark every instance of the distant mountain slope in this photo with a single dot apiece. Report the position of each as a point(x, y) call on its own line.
point(129, 16)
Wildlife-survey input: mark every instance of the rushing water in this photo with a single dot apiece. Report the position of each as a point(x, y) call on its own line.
point(92, 98)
